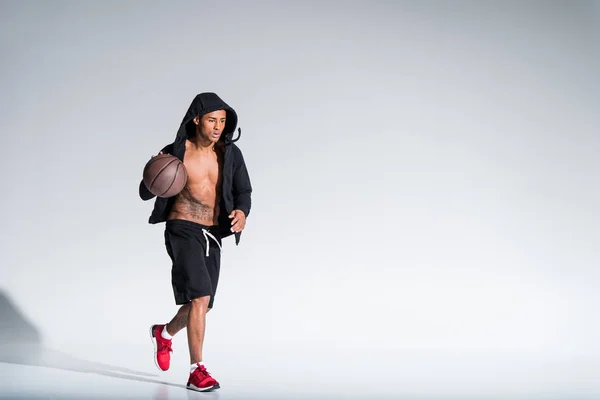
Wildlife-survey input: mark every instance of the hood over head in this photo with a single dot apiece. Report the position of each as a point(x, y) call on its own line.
point(205, 103)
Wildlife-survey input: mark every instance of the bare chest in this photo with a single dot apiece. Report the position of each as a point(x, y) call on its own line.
point(202, 169)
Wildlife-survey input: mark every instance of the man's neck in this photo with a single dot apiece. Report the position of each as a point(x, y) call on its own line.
point(203, 146)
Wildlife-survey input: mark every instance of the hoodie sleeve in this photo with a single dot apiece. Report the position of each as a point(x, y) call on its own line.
point(242, 188)
point(144, 193)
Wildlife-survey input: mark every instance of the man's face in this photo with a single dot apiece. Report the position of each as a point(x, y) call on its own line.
point(211, 125)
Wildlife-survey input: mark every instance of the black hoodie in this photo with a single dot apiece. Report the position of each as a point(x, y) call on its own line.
point(236, 187)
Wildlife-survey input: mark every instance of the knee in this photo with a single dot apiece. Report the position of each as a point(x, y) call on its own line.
point(185, 308)
point(200, 303)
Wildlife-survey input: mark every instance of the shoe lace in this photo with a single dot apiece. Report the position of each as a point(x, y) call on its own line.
point(203, 370)
point(165, 346)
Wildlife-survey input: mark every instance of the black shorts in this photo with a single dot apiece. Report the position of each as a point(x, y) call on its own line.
point(193, 273)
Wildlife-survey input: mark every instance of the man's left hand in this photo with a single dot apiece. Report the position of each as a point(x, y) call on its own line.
point(238, 220)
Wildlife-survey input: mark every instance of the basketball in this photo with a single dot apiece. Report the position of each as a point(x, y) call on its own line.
point(165, 175)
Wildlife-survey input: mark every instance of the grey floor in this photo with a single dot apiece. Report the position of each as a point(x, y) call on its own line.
point(32, 368)
point(36, 372)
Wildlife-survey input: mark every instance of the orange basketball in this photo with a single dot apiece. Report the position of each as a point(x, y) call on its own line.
point(165, 175)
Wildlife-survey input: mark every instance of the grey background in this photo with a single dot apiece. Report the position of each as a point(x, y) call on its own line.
point(425, 211)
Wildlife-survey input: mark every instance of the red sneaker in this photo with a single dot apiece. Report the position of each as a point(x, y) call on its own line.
point(162, 347)
point(201, 381)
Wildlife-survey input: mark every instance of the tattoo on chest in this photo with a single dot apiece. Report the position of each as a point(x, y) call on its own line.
point(192, 207)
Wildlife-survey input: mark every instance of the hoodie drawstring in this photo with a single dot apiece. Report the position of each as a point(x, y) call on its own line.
point(237, 138)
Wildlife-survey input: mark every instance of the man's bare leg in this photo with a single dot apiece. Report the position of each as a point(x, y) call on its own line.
point(196, 326)
point(179, 321)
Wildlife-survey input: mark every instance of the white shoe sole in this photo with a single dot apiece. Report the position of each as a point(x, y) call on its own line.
point(207, 389)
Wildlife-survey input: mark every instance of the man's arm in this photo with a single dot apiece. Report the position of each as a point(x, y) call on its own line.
point(242, 188)
point(146, 194)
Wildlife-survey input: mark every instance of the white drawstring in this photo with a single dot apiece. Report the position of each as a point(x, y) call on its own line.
point(206, 235)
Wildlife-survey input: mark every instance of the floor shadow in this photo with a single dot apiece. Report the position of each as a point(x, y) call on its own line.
point(21, 343)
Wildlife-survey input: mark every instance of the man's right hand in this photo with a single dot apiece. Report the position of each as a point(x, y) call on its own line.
point(157, 154)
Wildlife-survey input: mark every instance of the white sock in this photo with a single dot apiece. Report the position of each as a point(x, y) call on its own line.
point(194, 366)
point(165, 334)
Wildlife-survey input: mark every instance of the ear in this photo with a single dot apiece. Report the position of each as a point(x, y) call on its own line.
point(196, 120)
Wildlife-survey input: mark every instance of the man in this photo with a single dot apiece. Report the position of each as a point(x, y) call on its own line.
point(213, 205)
